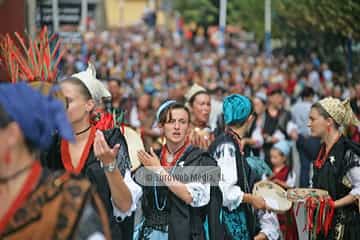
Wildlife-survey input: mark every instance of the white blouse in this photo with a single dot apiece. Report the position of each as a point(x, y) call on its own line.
point(291, 179)
point(269, 224)
point(199, 192)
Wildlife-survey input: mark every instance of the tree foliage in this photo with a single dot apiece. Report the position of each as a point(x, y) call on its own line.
point(288, 16)
point(202, 12)
point(338, 17)
point(324, 26)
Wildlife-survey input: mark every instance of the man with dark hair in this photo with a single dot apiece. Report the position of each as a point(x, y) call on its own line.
point(278, 124)
point(119, 101)
point(114, 86)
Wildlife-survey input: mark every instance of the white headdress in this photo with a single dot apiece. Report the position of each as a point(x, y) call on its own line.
point(96, 88)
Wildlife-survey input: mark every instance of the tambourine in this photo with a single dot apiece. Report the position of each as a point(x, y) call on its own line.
point(313, 210)
point(274, 196)
point(135, 143)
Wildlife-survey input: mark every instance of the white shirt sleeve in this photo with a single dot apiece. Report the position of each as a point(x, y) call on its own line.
point(354, 177)
point(291, 179)
point(136, 193)
point(258, 137)
point(134, 117)
point(269, 224)
point(290, 127)
point(226, 159)
point(232, 195)
point(278, 135)
point(200, 193)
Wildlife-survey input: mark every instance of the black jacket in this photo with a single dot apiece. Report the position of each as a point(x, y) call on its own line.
point(92, 170)
point(183, 220)
point(343, 156)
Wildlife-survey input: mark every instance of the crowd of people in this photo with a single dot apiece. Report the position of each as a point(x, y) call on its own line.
point(164, 66)
point(195, 110)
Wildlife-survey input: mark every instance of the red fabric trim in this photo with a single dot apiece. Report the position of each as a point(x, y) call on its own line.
point(322, 155)
point(65, 153)
point(27, 187)
point(329, 216)
point(282, 174)
point(178, 154)
point(324, 218)
point(320, 216)
point(310, 206)
point(122, 128)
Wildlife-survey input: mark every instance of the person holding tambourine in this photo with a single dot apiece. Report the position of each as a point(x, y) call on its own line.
point(337, 167)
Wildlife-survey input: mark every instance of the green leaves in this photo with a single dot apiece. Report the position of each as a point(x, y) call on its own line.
point(203, 12)
point(338, 17)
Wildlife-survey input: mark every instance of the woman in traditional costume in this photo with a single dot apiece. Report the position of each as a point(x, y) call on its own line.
point(239, 218)
point(199, 103)
point(173, 208)
point(337, 167)
point(34, 204)
point(101, 156)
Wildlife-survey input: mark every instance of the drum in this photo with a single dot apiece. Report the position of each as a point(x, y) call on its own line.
point(274, 196)
point(135, 144)
point(312, 209)
point(301, 194)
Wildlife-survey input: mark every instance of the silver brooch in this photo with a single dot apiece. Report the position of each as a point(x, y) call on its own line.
point(332, 159)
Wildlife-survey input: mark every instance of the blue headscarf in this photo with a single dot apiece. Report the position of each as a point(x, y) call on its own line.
point(284, 147)
point(38, 116)
point(163, 107)
point(236, 108)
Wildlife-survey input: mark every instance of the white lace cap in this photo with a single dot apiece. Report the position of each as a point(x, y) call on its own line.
point(95, 87)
